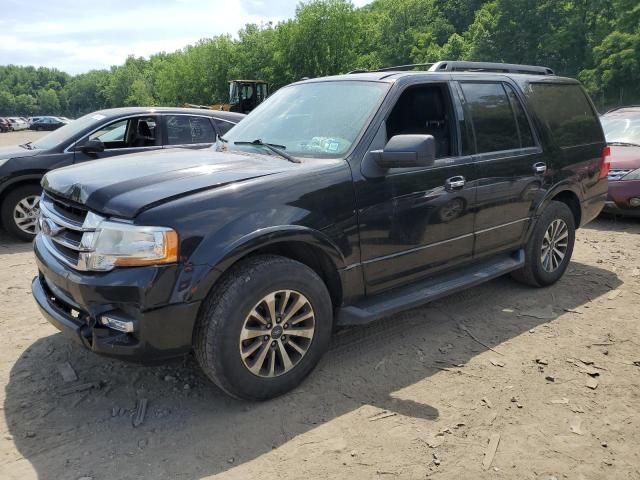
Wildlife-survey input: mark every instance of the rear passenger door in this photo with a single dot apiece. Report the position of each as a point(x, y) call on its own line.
point(509, 164)
point(188, 131)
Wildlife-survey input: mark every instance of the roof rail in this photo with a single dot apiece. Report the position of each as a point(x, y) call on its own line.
point(411, 66)
point(459, 66)
point(395, 68)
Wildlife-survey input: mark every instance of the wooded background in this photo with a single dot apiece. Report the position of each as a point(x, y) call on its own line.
point(597, 41)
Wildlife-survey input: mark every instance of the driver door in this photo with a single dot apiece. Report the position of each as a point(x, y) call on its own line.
point(128, 135)
point(417, 221)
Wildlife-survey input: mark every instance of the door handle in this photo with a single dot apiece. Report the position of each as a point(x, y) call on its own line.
point(540, 168)
point(454, 183)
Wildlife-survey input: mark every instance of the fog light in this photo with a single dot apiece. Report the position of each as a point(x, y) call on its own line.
point(634, 202)
point(117, 324)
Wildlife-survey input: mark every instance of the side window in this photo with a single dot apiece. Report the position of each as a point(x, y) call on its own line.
point(186, 130)
point(524, 128)
point(426, 110)
point(493, 121)
point(223, 126)
point(114, 132)
point(566, 111)
point(136, 132)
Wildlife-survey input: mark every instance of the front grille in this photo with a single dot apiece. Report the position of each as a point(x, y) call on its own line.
point(618, 173)
point(62, 224)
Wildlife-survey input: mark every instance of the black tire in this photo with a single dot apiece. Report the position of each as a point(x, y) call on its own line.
point(533, 273)
point(222, 317)
point(9, 204)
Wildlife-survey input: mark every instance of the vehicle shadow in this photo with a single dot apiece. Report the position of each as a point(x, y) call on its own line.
point(11, 246)
point(614, 223)
point(192, 430)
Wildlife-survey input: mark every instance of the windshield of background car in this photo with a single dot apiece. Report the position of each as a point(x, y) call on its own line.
point(68, 131)
point(621, 127)
point(320, 120)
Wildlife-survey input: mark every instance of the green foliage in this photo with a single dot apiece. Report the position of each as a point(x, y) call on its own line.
point(597, 41)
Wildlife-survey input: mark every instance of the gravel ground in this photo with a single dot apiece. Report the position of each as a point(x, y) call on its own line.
point(498, 382)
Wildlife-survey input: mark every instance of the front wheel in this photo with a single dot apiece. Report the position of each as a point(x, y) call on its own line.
point(264, 328)
point(20, 210)
point(549, 250)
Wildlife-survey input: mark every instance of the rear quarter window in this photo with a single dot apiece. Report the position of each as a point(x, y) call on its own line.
point(567, 113)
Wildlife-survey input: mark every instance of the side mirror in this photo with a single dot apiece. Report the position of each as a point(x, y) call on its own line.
point(91, 146)
point(407, 151)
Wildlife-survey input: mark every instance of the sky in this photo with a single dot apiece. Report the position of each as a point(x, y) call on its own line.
point(79, 35)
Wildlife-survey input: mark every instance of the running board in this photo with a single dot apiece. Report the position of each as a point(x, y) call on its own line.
point(428, 290)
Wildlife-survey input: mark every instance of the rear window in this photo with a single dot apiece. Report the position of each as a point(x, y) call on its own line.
point(567, 113)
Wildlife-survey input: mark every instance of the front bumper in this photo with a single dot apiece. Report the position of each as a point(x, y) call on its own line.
point(620, 193)
point(74, 302)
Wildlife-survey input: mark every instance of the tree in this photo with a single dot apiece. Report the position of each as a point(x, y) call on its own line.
point(48, 102)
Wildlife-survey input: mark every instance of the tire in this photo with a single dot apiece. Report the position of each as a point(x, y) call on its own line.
point(9, 205)
point(539, 273)
point(225, 316)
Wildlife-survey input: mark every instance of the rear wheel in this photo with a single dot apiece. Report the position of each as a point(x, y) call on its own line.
point(548, 252)
point(264, 328)
point(20, 210)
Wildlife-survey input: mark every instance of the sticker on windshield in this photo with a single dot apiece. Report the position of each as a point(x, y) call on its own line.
point(333, 146)
point(98, 116)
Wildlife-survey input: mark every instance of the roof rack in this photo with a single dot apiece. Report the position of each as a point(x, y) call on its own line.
point(411, 66)
point(459, 66)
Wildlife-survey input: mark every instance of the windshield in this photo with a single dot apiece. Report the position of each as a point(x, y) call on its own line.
point(623, 127)
point(68, 131)
point(320, 119)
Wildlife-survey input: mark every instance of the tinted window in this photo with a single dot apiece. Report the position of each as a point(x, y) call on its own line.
point(493, 120)
point(524, 129)
point(184, 130)
point(566, 111)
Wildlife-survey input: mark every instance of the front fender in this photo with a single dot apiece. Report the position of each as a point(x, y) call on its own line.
point(196, 281)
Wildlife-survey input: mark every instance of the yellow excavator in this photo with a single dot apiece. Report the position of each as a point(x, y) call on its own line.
point(244, 96)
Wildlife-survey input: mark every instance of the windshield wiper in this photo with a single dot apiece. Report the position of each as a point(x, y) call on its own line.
point(624, 144)
point(278, 149)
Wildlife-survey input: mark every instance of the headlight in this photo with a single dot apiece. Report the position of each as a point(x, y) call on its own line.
point(115, 244)
point(633, 175)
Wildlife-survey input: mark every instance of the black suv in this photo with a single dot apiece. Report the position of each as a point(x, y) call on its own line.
point(101, 134)
point(336, 202)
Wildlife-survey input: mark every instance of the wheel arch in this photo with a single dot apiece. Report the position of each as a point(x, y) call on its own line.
point(305, 245)
point(17, 182)
point(562, 193)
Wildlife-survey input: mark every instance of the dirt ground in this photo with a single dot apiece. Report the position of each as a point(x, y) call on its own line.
point(551, 375)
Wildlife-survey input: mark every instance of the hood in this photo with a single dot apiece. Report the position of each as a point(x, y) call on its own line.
point(624, 157)
point(16, 151)
point(126, 185)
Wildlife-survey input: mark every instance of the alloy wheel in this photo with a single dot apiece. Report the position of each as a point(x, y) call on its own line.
point(554, 245)
point(277, 333)
point(26, 212)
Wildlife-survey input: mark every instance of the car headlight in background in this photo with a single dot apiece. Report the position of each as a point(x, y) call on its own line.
point(633, 175)
point(115, 244)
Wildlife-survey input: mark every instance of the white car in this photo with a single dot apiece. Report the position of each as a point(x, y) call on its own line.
point(17, 124)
